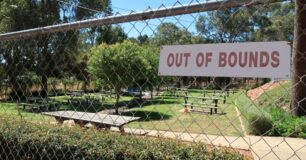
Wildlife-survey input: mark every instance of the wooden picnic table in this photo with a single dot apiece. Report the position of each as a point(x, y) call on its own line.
point(74, 94)
point(39, 104)
point(98, 119)
point(34, 107)
point(212, 105)
point(86, 99)
point(38, 99)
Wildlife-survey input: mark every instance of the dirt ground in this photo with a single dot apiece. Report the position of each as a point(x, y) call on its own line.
point(257, 92)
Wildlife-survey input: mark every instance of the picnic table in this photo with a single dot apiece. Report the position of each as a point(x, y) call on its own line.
point(76, 93)
point(85, 99)
point(100, 120)
point(213, 105)
point(39, 104)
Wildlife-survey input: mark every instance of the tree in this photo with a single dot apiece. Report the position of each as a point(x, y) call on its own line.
point(110, 34)
point(150, 78)
point(51, 54)
point(231, 25)
point(16, 54)
point(298, 77)
point(169, 34)
point(143, 39)
point(280, 24)
point(119, 66)
point(63, 42)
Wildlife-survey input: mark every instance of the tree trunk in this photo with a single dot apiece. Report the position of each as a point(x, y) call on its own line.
point(151, 91)
point(16, 91)
point(157, 90)
point(45, 58)
point(140, 95)
point(117, 103)
point(85, 85)
point(178, 83)
point(299, 61)
point(44, 86)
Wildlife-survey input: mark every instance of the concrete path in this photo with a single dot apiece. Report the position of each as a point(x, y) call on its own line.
point(268, 148)
point(278, 148)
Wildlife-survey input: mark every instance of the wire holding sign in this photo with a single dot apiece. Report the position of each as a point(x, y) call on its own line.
point(254, 59)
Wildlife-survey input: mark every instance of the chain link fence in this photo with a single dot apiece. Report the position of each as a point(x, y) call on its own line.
point(85, 83)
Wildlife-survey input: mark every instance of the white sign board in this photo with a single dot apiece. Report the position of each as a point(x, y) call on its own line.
point(255, 59)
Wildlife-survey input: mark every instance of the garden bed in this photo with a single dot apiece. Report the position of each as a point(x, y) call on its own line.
point(32, 141)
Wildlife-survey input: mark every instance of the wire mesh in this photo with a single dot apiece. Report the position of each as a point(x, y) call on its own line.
point(85, 84)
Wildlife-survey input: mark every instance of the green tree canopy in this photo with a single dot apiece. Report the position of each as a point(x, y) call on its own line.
point(169, 33)
point(280, 26)
point(118, 66)
point(47, 55)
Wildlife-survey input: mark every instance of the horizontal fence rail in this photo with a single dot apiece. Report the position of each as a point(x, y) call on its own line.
point(135, 16)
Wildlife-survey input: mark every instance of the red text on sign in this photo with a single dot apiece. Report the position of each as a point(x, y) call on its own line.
point(203, 58)
point(178, 59)
point(249, 59)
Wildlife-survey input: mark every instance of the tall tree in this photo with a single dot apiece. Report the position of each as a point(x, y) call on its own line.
point(110, 34)
point(229, 25)
point(16, 55)
point(280, 23)
point(151, 79)
point(51, 54)
point(118, 66)
point(233, 25)
point(169, 33)
point(298, 77)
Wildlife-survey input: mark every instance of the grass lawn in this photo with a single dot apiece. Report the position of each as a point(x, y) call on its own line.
point(165, 116)
point(12, 110)
point(245, 106)
point(277, 97)
point(160, 113)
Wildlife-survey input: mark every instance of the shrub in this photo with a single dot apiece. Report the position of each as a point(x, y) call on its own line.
point(32, 141)
point(285, 124)
point(274, 121)
point(301, 129)
point(260, 123)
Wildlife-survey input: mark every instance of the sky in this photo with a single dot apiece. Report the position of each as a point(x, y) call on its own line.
point(134, 29)
point(139, 5)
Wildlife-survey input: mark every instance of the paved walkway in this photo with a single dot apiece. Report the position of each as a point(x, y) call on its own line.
point(268, 148)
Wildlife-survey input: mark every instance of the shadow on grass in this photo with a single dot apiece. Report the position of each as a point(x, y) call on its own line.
point(208, 112)
point(95, 106)
point(85, 107)
point(134, 103)
point(147, 115)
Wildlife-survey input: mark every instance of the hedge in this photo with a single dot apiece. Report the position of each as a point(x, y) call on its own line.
point(21, 140)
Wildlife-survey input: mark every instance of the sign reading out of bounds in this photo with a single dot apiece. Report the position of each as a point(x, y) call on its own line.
point(255, 59)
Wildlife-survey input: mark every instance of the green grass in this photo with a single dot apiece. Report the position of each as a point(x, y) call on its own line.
point(160, 113)
point(269, 115)
point(93, 106)
point(246, 108)
point(276, 97)
point(166, 116)
point(15, 111)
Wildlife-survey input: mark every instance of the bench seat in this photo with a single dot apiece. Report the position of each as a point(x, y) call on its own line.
point(35, 107)
point(202, 105)
point(99, 119)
